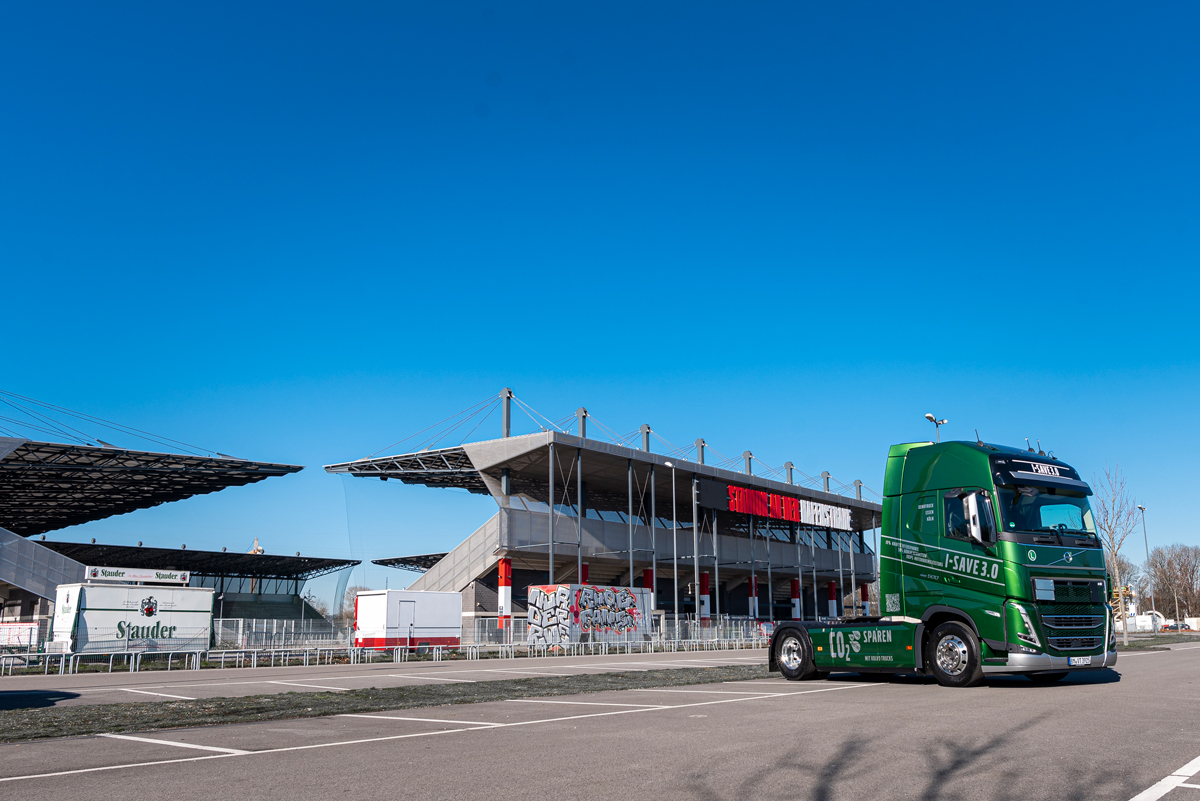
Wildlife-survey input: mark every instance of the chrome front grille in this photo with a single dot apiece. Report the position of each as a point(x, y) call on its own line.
point(1075, 643)
point(1074, 592)
point(1073, 621)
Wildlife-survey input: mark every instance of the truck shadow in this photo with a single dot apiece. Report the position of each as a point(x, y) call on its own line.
point(32, 699)
point(1082, 677)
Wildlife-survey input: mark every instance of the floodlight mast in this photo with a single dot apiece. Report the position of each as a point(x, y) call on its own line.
point(938, 423)
point(1146, 542)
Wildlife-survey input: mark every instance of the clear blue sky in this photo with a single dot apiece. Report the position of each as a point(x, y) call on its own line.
point(299, 232)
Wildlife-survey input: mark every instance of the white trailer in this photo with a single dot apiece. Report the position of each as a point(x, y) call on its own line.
point(128, 617)
point(390, 618)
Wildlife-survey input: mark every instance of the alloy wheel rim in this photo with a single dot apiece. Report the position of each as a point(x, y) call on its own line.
point(789, 653)
point(952, 655)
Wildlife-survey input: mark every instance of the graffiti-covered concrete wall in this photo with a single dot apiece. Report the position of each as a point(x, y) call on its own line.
point(564, 613)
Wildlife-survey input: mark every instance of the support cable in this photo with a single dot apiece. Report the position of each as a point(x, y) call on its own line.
point(481, 422)
point(529, 410)
point(441, 435)
point(489, 399)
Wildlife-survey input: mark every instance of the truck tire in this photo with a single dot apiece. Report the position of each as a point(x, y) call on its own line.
point(794, 654)
point(953, 656)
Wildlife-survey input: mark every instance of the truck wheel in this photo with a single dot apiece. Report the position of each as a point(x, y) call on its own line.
point(953, 656)
point(793, 654)
point(1045, 678)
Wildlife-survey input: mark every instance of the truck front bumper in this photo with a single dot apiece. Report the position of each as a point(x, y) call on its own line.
point(1030, 663)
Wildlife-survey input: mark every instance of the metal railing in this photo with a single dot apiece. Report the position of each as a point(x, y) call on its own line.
point(138, 661)
point(251, 633)
point(311, 647)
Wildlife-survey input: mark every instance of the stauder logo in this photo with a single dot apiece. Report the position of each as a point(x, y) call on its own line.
point(149, 606)
point(95, 572)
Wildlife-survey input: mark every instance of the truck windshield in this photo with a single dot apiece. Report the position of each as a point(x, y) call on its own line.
point(1036, 509)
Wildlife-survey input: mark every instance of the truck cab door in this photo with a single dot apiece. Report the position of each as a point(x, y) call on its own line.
point(919, 552)
point(973, 570)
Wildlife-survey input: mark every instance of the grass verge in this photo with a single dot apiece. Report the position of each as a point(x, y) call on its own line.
point(1151, 643)
point(71, 721)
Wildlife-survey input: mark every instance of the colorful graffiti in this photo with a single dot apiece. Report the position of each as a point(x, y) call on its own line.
point(606, 609)
point(563, 613)
point(549, 614)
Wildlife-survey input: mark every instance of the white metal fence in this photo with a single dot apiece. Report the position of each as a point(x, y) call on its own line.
point(243, 633)
point(487, 631)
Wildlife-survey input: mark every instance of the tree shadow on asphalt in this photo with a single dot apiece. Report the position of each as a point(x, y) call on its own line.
point(33, 699)
point(947, 762)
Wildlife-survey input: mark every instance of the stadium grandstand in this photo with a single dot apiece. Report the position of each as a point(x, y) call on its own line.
point(46, 486)
point(709, 535)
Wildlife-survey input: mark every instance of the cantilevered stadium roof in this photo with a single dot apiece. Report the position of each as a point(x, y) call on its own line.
point(47, 485)
point(417, 564)
point(205, 563)
point(479, 467)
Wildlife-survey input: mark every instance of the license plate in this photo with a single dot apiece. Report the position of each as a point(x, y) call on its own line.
point(1076, 661)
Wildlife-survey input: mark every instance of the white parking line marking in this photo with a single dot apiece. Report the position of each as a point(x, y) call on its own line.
point(478, 727)
point(313, 686)
point(763, 694)
point(423, 720)
point(1164, 650)
point(293, 684)
point(164, 695)
point(527, 672)
point(232, 751)
point(579, 703)
point(430, 678)
point(1176, 779)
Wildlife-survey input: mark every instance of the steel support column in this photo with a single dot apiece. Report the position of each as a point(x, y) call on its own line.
point(812, 548)
point(753, 578)
point(770, 587)
point(653, 533)
point(550, 579)
point(841, 573)
point(675, 548)
point(853, 581)
point(631, 524)
point(580, 512)
point(716, 572)
point(696, 543)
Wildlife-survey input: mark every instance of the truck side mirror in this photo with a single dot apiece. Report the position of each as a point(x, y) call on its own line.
point(971, 512)
point(978, 511)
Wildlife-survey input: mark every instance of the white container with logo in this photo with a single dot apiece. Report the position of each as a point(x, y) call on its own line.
point(123, 617)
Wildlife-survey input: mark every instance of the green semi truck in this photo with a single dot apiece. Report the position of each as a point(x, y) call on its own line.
point(989, 563)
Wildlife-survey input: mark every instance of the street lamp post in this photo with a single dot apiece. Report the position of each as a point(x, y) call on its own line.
point(938, 423)
point(1146, 542)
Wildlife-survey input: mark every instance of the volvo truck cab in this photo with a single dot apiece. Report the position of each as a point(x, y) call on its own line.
point(989, 564)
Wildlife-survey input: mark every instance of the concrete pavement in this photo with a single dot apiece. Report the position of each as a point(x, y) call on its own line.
point(1110, 735)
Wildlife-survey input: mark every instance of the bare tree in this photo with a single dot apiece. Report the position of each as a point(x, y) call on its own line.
point(1175, 571)
point(347, 617)
point(318, 604)
point(1116, 517)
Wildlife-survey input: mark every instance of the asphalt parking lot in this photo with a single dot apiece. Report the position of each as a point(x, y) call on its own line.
point(189, 685)
point(1118, 734)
